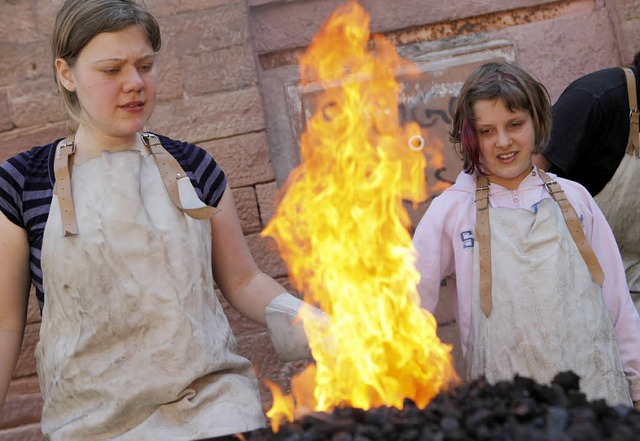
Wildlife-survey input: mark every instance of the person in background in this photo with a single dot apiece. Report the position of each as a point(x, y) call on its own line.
point(595, 141)
point(531, 260)
point(122, 232)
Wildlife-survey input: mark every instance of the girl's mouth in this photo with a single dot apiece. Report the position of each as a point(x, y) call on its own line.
point(506, 156)
point(133, 107)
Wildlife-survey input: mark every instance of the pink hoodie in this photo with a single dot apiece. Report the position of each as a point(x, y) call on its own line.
point(444, 243)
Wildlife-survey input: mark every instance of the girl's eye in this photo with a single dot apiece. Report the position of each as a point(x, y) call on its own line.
point(112, 71)
point(146, 67)
point(484, 131)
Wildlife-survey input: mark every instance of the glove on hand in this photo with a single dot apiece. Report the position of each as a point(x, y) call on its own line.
point(286, 329)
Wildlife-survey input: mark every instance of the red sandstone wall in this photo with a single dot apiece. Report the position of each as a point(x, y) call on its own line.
point(208, 95)
point(215, 56)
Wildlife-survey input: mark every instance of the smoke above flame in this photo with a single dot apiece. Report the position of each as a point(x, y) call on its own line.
point(342, 229)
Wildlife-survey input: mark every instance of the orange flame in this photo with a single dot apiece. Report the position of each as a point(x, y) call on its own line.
point(343, 231)
point(282, 408)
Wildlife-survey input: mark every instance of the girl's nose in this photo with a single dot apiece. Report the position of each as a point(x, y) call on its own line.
point(503, 139)
point(133, 81)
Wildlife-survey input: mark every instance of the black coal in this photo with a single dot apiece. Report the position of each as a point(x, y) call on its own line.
point(518, 410)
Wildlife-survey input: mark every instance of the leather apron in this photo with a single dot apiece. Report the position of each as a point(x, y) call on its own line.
point(134, 344)
point(547, 312)
point(620, 203)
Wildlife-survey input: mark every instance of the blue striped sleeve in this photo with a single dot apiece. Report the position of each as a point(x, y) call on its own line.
point(207, 177)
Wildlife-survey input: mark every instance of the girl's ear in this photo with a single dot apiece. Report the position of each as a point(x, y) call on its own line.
point(65, 75)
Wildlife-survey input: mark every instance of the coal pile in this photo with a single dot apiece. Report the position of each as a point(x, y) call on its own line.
point(518, 410)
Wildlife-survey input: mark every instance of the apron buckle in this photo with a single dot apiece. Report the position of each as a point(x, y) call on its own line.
point(553, 187)
point(65, 145)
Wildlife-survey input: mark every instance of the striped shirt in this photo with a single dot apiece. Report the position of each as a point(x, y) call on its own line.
point(26, 188)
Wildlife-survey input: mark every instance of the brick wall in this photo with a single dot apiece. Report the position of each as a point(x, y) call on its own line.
point(208, 95)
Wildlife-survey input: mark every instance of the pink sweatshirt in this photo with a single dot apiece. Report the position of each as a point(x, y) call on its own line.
point(444, 243)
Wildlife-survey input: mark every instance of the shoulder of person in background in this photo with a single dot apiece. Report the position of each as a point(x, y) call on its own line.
point(590, 128)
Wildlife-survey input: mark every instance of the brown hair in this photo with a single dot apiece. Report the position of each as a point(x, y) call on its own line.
point(79, 21)
point(498, 81)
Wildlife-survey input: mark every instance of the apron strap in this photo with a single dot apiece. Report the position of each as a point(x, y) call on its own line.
point(483, 238)
point(634, 114)
point(62, 188)
point(575, 227)
point(483, 235)
point(171, 171)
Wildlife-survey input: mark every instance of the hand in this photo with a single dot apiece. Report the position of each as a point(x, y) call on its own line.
point(636, 405)
point(286, 328)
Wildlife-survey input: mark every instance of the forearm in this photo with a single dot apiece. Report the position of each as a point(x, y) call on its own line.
point(267, 302)
point(252, 298)
point(14, 288)
point(10, 343)
point(245, 287)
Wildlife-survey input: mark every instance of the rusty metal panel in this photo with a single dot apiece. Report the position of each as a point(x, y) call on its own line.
point(427, 98)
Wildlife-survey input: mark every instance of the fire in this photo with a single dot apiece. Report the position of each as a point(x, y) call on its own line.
point(282, 406)
point(343, 231)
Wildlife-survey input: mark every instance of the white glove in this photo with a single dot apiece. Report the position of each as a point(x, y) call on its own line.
point(286, 329)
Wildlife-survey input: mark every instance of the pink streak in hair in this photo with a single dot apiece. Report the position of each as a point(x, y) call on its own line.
point(469, 141)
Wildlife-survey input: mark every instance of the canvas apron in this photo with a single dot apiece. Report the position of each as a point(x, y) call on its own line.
point(620, 203)
point(547, 313)
point(134, 344)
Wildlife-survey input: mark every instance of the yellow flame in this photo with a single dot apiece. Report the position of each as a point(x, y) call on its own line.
point(343, 232)
point(282, 408)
